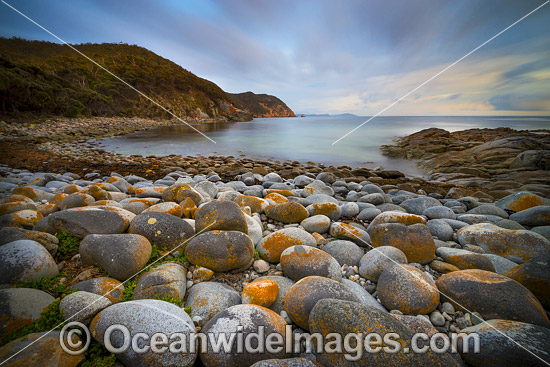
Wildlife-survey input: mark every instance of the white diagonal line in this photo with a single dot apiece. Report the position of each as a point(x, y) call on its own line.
point(105, 69)
point(442, 71)
point(110, 290)
point(414, 274)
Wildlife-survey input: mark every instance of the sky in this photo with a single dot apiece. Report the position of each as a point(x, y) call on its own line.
point(321, 56)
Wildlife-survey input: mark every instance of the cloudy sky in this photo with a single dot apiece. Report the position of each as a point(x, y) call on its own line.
point(329, 56)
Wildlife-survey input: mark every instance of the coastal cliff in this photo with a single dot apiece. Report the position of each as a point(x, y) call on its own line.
point(262, 105)
point(44, 79)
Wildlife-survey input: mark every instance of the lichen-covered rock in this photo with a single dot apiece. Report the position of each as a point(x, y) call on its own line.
point(178, 192)
point(272, 246)
point(121, 255)
point(168, 279)
point(207, 299)
point(373, 263)
point(25, 261)
point(345, 252)
point(302, 297)
point(256, 205)
point(396, 217)
point(81, 223)
point(110, 288)
point(163, 230)
point(505, 343)
point(512, 244)
point(39, 349)
point(20, 307)
point(344, 317)
point(330, 210)
point(291, 212)
point(261, 292)
point(221, 250)
point(25, 218)
point(415, 240)
point(146, 316)
point(317, 223)
point(535, 276)
point(348, 232)
point(299, 262)
point(220, 215)
point(170, 207)
point(82, 306)
point(407, 289)
point(520, 201)
point(76, 200)
point(250, 318)
point(10, 234)
point(463, 259)
point(535, 216)
point(496, 296)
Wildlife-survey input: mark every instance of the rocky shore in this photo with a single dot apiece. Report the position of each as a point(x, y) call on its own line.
point(501, 160)
point(207, 244)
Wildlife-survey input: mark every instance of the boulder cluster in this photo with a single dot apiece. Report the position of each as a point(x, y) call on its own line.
point(317, 253)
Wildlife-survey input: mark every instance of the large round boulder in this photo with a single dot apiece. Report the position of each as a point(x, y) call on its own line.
point(25, 261)
point(148, 317)
point(163, 230)
point(407, 289)
point(373, 263)
point(291, 212)
point(120, 255)
point(493, 295)
point(220, 215)
point(20, 307)
point(272, 246)
point(81, 223)
point(221, 250)
point(302, 297)
point(245, 320)
point(415, 240)
point(299, 262)
point(207, 299)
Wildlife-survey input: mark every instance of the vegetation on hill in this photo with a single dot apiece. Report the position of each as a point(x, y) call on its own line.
point(262, 105)
point(44, 79)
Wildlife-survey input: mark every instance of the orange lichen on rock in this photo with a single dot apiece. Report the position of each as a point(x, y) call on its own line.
point(291, 212)
point(261, 292)
point(277, 198)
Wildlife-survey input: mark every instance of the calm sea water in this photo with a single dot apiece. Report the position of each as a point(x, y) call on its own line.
point(305, 139)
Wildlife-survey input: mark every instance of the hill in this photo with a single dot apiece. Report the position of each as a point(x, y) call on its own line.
point(262, 105)
point(44, 79)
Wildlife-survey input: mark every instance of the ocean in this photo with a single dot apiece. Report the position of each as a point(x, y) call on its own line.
point(306, 139)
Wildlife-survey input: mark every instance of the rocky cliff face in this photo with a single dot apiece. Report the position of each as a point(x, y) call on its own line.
point(262, 105)
point(500, 158)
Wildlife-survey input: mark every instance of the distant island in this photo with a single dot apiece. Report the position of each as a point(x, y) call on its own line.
point(44, 79)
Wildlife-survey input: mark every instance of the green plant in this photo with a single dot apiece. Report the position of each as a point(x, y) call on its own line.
point(68, 245)
point(50, 318)
point(154, 254)
point(170, 299)
point(129, 287)
point(187, 309)
point(256, 254)
point(98, 356)
point(55, 286)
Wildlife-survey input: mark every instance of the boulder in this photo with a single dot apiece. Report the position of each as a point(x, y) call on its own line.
point(520, 201)
point(168, 279)
point(291, 212)
point(163, 230)
point(82, 306)
point(463, 259)
point(221, 250)
point(25, 261)
point(299, 262)
point(20, 307)
point(373, 263)
point(345, 252)
point(496, 296)
point(272, 246)
point(415, 240)
point(110, 288)
point(220, 215)
point(535, 216)
point(207, 299)
point(81, 223)
point(120, 255)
